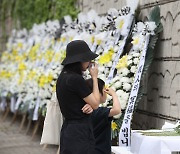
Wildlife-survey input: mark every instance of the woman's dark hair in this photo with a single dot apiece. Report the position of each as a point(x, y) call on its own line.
point(101, 84)
point(74, 67)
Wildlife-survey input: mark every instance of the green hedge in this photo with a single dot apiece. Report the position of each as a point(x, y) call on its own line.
point(24, 13)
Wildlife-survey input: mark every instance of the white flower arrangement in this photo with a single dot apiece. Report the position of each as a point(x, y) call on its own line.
point(32, 71)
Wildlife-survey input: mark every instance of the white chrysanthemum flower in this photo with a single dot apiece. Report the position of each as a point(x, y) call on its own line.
point(117, 84)
point(125, 96)
point(55, 76)
point(152, 26)
point(136, 60)
point(119, 93)
point(129, 62)
point(125, 80)
point(126, 86)
point(137, 42)
point(131, 79)
point(99, 38)
point(133, 69)
point(140, 27)
point(129, 57)
point(116, 48)
point(122, 23)
point(125, 71)
point(136, 54)
point(106, 70)
point(109, 64)
point(123, 104)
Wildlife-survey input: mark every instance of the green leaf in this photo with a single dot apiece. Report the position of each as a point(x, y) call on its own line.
point(159, 28)
point(153, 41)
point(155, 15)
point(177, 129)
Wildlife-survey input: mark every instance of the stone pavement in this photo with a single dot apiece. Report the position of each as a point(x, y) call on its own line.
point(14, 142)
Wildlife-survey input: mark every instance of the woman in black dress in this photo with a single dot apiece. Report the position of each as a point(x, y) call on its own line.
point(73, 93)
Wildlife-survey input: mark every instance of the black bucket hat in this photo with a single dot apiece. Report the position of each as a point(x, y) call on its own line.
point(78, 51)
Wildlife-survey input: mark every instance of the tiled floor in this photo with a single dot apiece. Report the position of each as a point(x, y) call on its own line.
point(14, 142)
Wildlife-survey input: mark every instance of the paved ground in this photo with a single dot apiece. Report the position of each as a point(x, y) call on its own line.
point(14, 142)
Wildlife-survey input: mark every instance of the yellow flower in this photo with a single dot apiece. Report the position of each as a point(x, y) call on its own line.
point(8, 75)
point(92, 39)
point(113, 126)
point(107, 57)
point(99, 42)
point(21, 66)
point(54, 88)
point(21, 78)
point(49, 55)
point(63, 39)
point(63, 55)
point(19, 58)
point(45, 79)
point(5, 74)
point(57, 56)
point(42, 81)
point(19, 45)
point(49, 78)
point(33, 52)
point(122, 62)
point(121, 24)
point(135, 41)
point(31, 75)
point(14, 52)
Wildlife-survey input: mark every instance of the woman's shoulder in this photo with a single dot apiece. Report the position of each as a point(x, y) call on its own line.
point(75, 76)
point(72, 77)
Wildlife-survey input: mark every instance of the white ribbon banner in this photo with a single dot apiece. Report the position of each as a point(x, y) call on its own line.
point(3, 103)
point(116, 60)
point(35, 114)
point(124, 134)
point(18, 102)
point(12, 104)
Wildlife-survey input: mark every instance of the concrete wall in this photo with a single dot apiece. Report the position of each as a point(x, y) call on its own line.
point(161, 100)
